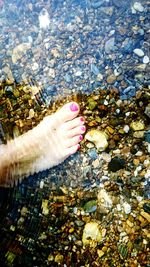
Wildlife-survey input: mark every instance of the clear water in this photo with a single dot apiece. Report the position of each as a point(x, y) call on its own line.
point(67, 47)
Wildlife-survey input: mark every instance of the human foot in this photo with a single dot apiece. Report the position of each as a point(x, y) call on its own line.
point(54, 139)
point(58, 136)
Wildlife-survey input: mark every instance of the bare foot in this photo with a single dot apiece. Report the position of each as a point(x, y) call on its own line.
point(58, 136)
point(54, 139)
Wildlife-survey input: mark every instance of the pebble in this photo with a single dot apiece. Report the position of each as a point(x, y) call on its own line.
point(111, 79)
point(127, 208)
point(138, 7)
point(116, 164)
point(138, 134)
point(91, 234)
point(109, 45)
point(97, 137)
point(146, 60)
point(126, 128)
point(137, 125)
point(138, 52)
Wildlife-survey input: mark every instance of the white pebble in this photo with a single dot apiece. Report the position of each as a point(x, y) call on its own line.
point(145, 59)
point(139, 52)
point(105, 102)
point(126, 128)
point(35, 66)
point(138, 7)
point(127, 114)
point(127, 208)
point(139, 154)
point(44, 20)
point(41, 184)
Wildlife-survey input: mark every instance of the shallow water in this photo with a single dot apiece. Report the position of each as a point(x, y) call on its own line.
point(65, 48)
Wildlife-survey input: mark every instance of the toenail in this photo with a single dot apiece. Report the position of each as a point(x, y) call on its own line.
point(83, 128)
point(78, 146)
point(73, 107)
point(82, 119)
point(80, 137)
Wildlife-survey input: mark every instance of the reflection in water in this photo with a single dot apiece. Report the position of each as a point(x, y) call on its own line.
point(87, 46)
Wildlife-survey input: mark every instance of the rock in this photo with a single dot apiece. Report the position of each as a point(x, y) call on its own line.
point(94, 69)
point(145, 215)
point(138, 52)
point(147, 136)
point(97, 4)
point(97, 137)
point(19, 51)
point(138, 134)
point(91, 234)
point(45, 209)
point(111, 79)
point(126, 128)
point(35, 66)
point(78, 73)
point(145, 59)
point(100, 253)
point(92, 104)
point(146, 207)
point(116, 164)
point(90, 206)
point(109, 45)
point(104, 200)
point(138, 7)
point(8, 72)
point(44, 19)
point(127, 208)
point(99, 77)
point(147, 111)
point(123, 251)
point(51, 73)
point(137, 125)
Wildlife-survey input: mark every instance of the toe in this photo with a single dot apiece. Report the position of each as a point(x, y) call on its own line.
point(68, 112)
point(69, 125)
point(74, 141)
point(76, 131)
point(73, 149)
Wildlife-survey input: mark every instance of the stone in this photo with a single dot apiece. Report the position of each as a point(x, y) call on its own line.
point(90, 206)
point(116, 164)
point(138, 52)
point(100, 253)
point(138, 7)
point(127, 208)
point(91, 234)
point(92, 104)
point(104, 199)
point(137, 125)
point(138, 134)
point(145, 215)
point(19, 51)
point(147, 136)
point(126, 128)
point(109, 45)
point(99, 77)
point(147, 111)
point(146, 60)
point(97, 137)
point(111, 79)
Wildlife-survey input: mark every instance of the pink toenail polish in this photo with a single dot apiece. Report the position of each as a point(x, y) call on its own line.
point(80, 137)
point(83, 128)
point(73, 107)
point(82, 119)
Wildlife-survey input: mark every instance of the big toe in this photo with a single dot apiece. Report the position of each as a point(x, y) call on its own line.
point(68, 112)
